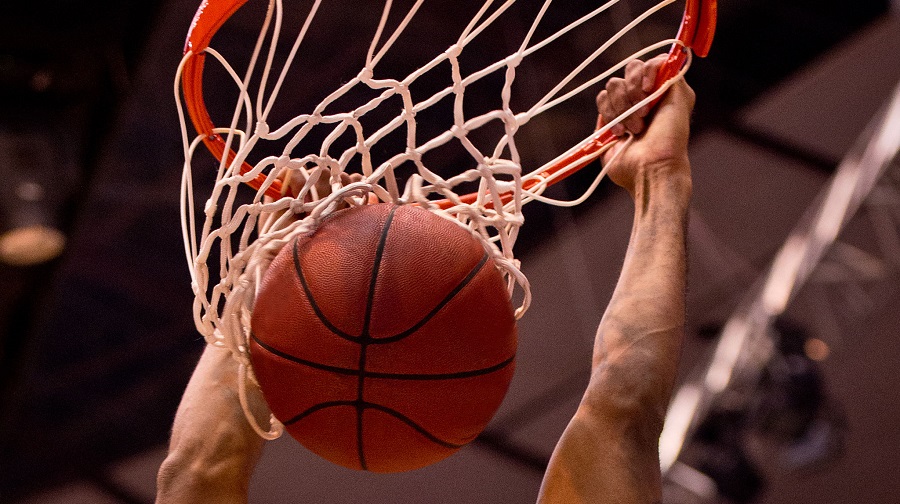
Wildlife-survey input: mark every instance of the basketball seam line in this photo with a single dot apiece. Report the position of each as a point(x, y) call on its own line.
point(364, 337)
point(462, 284)
point(397, 337)
point(376, 267)
point(367, 405)
point(312, 301)
point(408, 421)
point(385, 376)
point(317, 407)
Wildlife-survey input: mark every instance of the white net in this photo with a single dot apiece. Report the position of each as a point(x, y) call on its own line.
point(301, 162)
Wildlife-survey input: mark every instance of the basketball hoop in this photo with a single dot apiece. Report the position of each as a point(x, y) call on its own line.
point(485, 198)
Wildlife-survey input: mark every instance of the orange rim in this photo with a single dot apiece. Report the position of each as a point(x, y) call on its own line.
point(698, 26)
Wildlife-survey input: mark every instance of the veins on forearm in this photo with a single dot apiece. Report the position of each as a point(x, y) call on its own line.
point(639, 339)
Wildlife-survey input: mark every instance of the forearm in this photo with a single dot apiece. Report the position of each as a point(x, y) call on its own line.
point(213, 448)
point(638, 342)
point(608, 452)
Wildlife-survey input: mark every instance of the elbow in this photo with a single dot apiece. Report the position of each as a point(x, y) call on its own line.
point(174, 482)
point(185, 479)
point(631, 401)
point(216, 468)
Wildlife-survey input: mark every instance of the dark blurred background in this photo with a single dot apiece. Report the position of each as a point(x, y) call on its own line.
point(96, 335)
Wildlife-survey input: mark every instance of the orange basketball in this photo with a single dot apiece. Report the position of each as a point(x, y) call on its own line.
point(385, 340)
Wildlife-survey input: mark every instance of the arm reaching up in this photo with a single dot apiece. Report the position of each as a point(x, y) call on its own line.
point(213, 449)
point(609, 451)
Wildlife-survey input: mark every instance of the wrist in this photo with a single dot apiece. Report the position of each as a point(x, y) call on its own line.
point(668, 181)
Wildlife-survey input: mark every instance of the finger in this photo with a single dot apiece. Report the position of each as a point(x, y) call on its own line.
point(622, 103)
point(601, 107)
point(288, 184)
point(618, 100)
point(293, 181)
point(651, 69)
point(607, 113)
point(618, 96)
point(349, 178)
point(603, 103)
point(323, 185)
point(633, 123)
point(634, 75)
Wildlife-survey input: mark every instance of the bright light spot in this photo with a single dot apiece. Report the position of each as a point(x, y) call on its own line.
point(31, 245)
point(816, 349)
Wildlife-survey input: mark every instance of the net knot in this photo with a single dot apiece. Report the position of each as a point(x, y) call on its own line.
point(486, 167)
point(414, 155)
point(282, 161)
point(454, 51)
point(262, 128)
point(366, 74)
point(459, 131)
point(298, 206)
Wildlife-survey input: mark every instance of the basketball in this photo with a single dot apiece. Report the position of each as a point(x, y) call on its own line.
point(385, 340)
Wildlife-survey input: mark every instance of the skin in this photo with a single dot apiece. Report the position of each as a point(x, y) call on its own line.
point(213, 449)
point(609, 451)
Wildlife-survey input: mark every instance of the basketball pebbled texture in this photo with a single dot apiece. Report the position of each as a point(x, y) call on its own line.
point(384, 341)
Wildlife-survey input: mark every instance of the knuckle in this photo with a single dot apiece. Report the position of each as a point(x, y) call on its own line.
point(689, 94)
point(636, 92)
point(634, 65)
point(615, 84)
